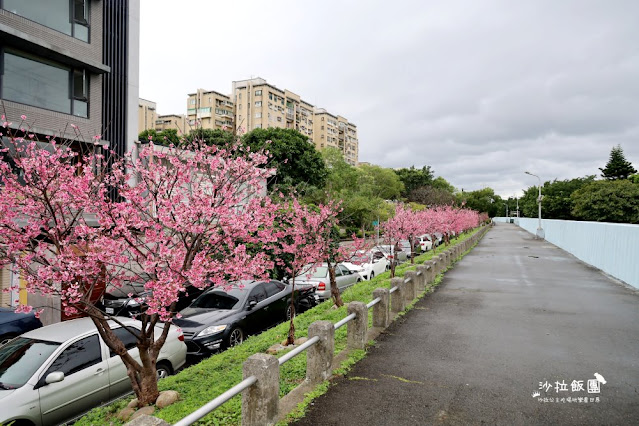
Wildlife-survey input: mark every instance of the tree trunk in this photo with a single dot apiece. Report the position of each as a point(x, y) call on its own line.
point(290, 340)
point(143, 377)
point(146, 380)
point(337, 298)
point(412, 250)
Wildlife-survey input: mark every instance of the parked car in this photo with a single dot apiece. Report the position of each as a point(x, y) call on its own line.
point(425, 242)
point(319, 278)
point(390, 253)
point(13, 324)
point(405, 247)
point(222, 317)
point(368, 264)
point(117, 301)
point(56, 373)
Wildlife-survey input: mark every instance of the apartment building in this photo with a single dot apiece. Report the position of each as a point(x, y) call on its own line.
point(69, 62)
point(208, 109)
point(337, 132)
point(173, 121)
point(147, 115)
point(259, 104)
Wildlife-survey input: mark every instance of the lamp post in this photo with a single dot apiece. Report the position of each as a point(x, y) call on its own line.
point(540, 230)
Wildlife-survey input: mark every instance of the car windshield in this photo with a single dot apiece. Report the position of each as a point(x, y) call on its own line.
point(361, 258)
point(20, 358)
point(220, 299)
point(320, 272)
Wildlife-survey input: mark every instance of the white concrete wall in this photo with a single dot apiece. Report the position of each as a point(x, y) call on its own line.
point(611, 247)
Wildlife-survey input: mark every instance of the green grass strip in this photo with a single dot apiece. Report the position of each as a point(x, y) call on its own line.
point(199, 384)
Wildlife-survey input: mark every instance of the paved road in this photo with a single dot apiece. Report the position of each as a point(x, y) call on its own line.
point(513, 313)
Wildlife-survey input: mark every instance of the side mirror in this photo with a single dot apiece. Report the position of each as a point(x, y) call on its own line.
point(55, 377)
point(251, 305)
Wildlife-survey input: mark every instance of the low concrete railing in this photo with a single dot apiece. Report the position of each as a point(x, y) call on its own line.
point(261, 384)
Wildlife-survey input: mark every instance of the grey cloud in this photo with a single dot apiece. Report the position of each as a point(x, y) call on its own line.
point(478, 90)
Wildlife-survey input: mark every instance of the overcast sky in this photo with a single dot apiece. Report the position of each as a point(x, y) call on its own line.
point(480, 90)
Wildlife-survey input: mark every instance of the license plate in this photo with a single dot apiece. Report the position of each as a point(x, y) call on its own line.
point(109, 310)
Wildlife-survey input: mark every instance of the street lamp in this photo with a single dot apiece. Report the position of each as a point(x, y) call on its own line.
point(540, 230)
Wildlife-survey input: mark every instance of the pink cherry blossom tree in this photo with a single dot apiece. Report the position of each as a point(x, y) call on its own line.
point(301, 234)
point(397, 228)
point(187, 221)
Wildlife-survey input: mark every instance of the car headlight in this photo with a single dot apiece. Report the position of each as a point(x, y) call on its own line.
point(211, 330)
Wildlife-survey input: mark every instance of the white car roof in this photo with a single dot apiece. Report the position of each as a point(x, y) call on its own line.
point(62, 331)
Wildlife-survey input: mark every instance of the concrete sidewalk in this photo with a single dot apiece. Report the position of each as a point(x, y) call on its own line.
point(515, 318)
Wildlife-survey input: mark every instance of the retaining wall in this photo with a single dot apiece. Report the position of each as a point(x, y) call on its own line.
point(611, 247)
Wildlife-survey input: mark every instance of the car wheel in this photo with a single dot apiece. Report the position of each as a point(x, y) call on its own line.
point(4, 339)
point(372, 275)
point(236, 336)
point(163, 370)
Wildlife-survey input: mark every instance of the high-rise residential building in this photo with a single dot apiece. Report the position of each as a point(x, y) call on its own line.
point(262, 105)
point(173, 121)
point(337, 132)
point(70, 62)
point(147, 115)
point(208, 109)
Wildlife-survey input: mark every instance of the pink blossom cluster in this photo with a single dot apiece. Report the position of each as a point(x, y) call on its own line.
point(189, 219)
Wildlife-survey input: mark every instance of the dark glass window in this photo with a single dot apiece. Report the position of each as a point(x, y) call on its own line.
point(71, 18)
point(273, 287)
point(80, 355)
point(129, 340)
point(257, 294)
point(46, 84)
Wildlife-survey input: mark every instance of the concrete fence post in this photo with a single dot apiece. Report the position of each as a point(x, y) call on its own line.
point(439, 263)
point(357, 329)
point(381, 316)
point(422, 278)
point(260, 402)
point(411, 286)
point(429, 275)
point(397, 298)
point(320, 356)
point(433, 267)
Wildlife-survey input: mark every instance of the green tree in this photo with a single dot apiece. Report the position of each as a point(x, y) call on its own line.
point(165, 137)
point(484, 201)
point(298, 164)
point(413, 178)
point(380, 182)
point(557, 203)
point(431, 196)
point(617, 167)
point(341, 175)
point(607, 201)
point(219, 137)
point(441, 183)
